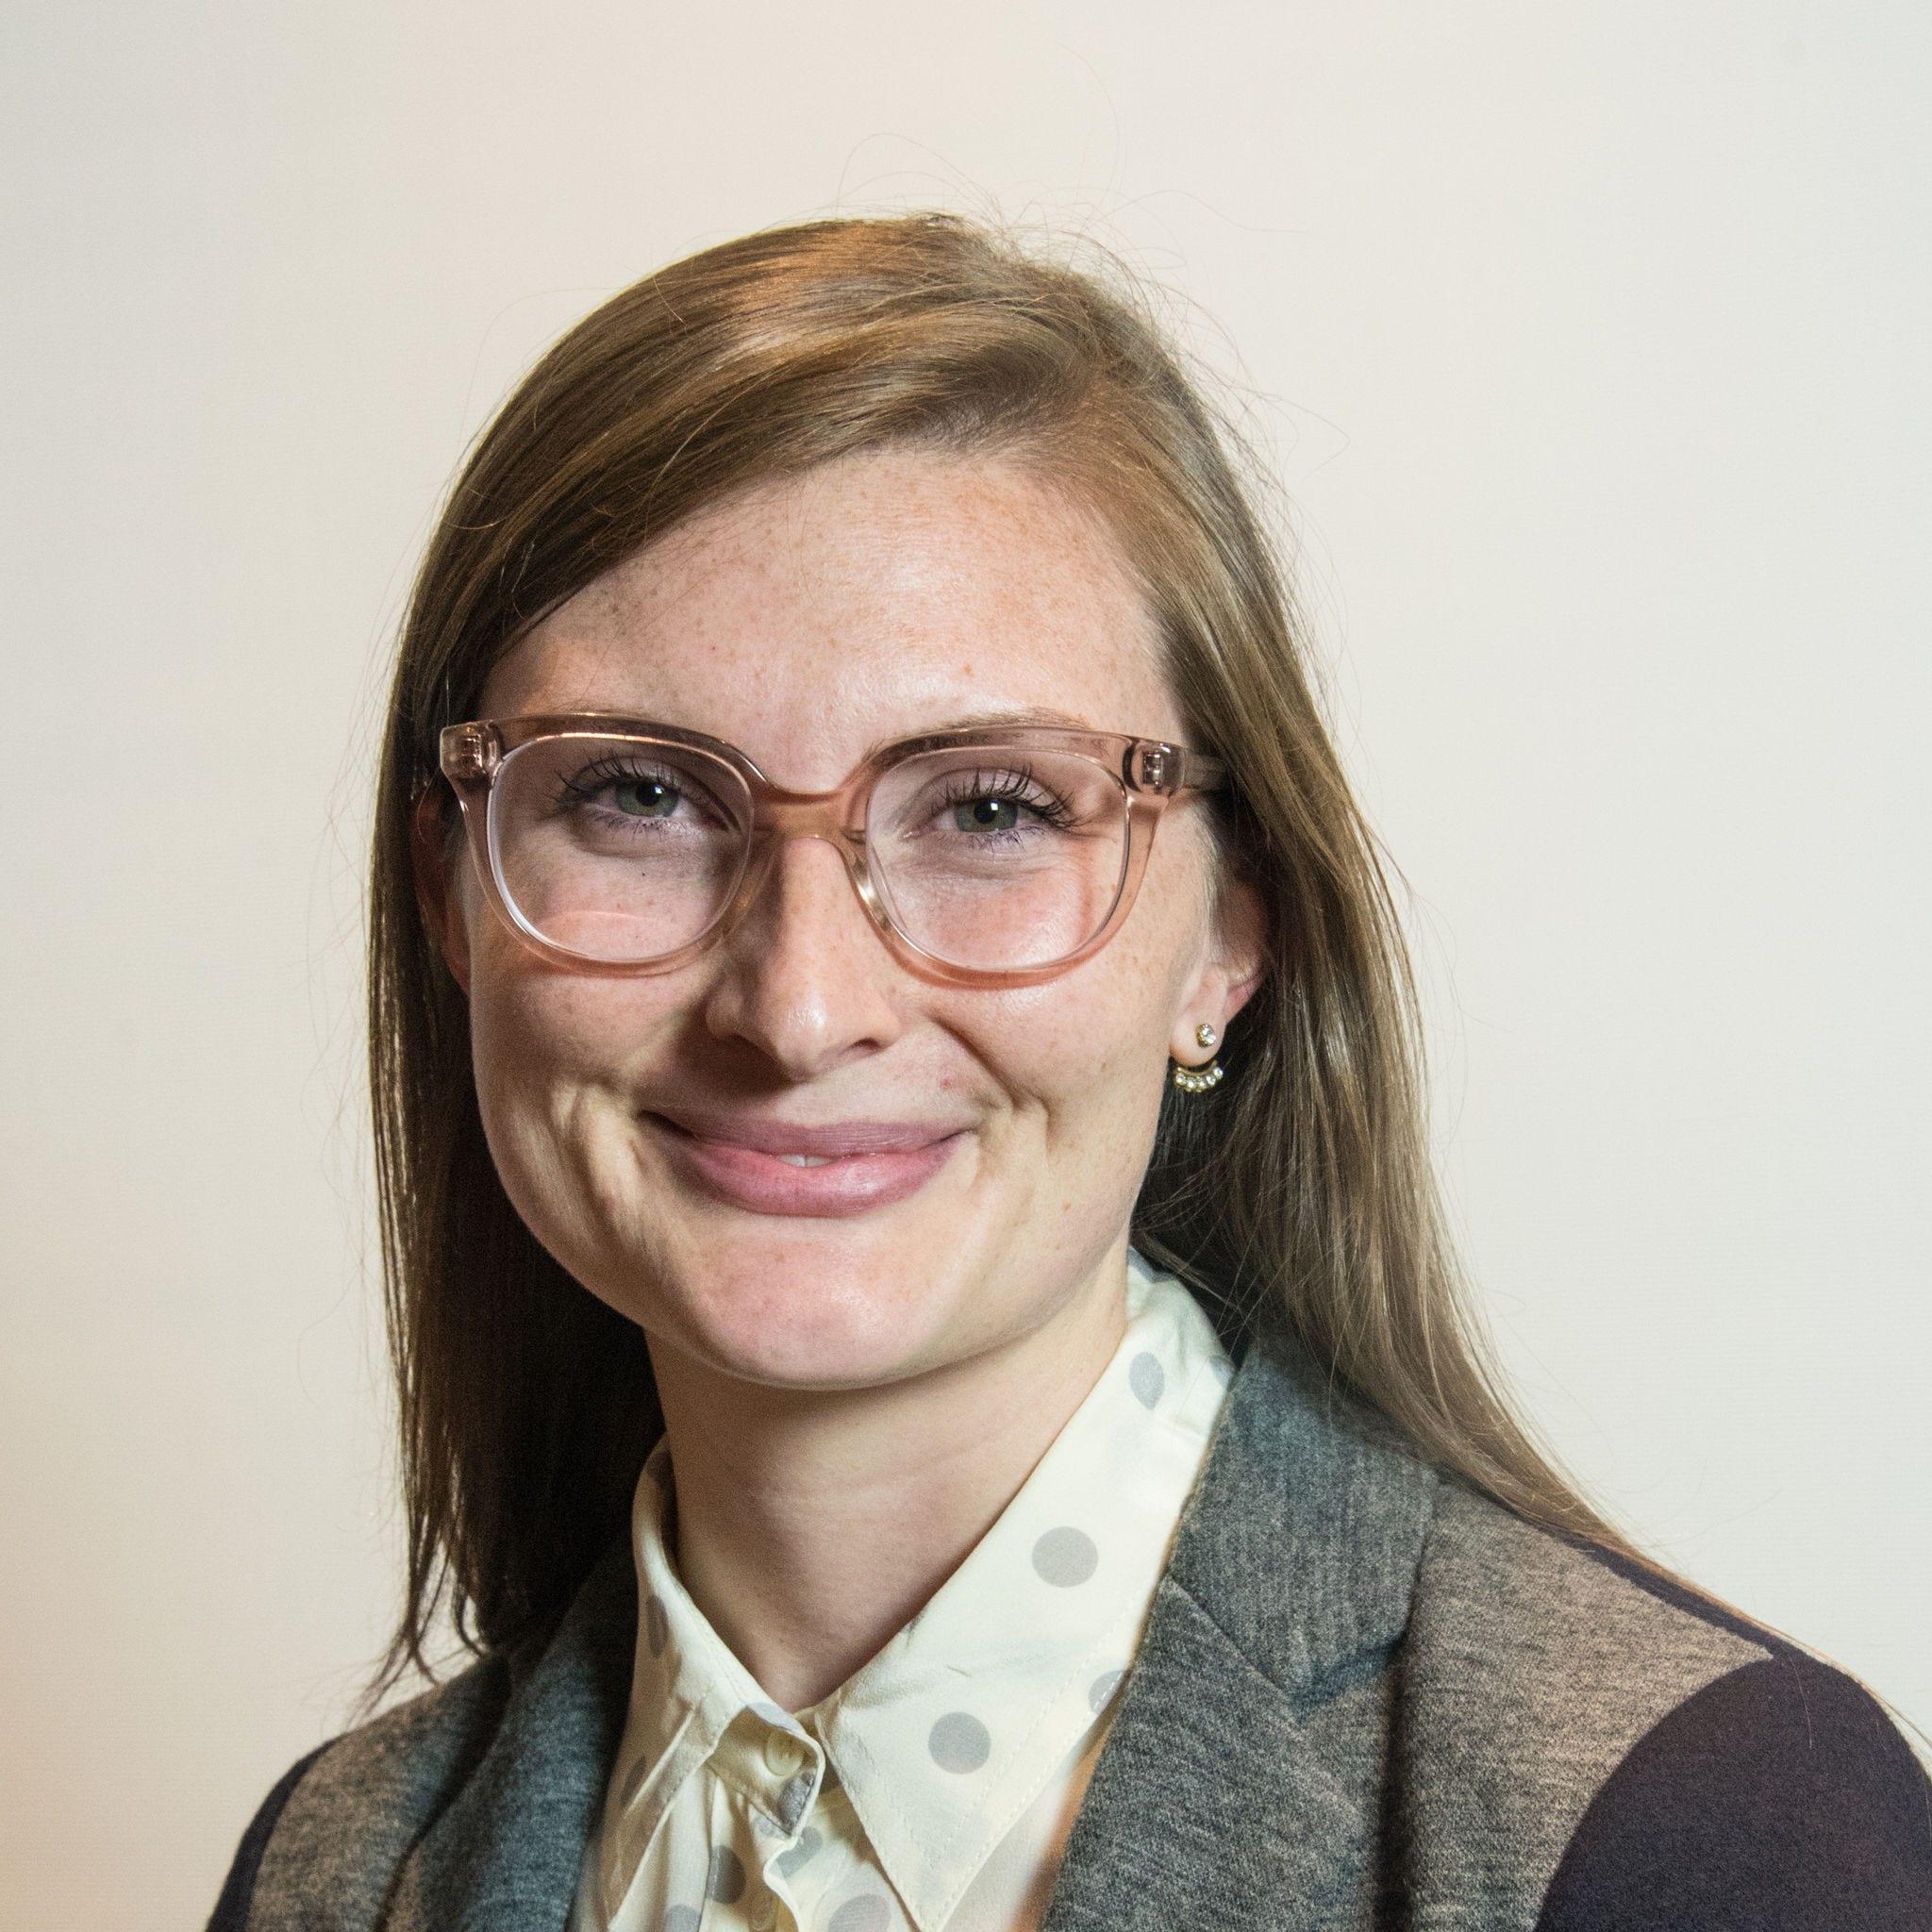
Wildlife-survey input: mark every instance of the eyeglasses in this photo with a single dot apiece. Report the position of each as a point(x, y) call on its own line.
point(985, 856)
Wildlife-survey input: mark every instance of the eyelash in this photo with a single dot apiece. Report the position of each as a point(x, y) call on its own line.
point(1018, 787)
point(581, 788)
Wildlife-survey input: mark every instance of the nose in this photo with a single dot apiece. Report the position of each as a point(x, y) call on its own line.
point(804, 977)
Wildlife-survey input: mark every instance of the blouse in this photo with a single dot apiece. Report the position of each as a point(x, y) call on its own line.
point(934, 1789)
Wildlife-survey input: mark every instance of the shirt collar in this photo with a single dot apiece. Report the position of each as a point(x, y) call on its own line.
point(946, 1738)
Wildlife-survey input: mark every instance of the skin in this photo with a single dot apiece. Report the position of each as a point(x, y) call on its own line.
point(850, 1400)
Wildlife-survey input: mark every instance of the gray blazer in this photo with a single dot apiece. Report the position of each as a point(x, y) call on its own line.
point(1366, 1698)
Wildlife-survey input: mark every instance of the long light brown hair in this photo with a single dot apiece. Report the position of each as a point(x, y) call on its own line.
point(1301, 1186)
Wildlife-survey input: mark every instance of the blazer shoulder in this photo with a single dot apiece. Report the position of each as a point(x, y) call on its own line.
point(1541, 1675)
point(238, 1889)
point(1779, 1797)
point(323, 1849)
point(1562, 1630)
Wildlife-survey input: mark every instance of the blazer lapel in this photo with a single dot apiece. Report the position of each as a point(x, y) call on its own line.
point(506, 1855)
point(1241, 1787)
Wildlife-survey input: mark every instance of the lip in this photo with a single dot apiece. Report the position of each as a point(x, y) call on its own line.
point(859, 1165)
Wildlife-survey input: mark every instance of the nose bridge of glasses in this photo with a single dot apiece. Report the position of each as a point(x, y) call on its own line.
point(800, 818)
point(779, 817)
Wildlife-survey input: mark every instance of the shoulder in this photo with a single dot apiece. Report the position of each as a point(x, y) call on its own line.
point(1777, 1797)
point(466, 1790)
point(1662, 1761)
point(338, 1823)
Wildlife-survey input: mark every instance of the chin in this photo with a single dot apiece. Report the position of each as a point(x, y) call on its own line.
point(816, 1327)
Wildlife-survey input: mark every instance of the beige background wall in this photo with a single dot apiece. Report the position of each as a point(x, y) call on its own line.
point(1590, 341)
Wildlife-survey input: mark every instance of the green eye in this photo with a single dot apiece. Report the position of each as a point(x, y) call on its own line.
point(645, 798)
point(986, 815)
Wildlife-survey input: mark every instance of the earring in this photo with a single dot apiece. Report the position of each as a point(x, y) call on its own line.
point(1201, 1079)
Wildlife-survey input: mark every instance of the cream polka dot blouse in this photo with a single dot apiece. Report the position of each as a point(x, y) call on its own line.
point(935, 1788)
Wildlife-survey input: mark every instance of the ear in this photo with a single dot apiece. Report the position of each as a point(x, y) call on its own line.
point(1236, 965)
point(437, 898)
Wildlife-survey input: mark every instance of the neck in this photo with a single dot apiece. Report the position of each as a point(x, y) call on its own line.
point(812, 1526)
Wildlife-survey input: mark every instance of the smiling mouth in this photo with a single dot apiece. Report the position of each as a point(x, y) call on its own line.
point(845, 1168)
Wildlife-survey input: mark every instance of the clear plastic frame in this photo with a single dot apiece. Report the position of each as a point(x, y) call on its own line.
point(987, 855)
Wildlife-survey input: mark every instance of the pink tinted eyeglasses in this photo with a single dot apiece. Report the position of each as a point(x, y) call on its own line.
point(987, 855)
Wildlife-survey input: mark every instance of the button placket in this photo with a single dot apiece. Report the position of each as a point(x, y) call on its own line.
point(776, 1904)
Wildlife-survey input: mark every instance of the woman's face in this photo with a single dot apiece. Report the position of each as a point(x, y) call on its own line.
point(640, 1125)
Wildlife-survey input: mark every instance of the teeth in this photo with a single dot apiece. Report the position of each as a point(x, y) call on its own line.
point(806, 1159)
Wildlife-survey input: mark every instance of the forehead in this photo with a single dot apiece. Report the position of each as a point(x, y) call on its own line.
point(811, 619)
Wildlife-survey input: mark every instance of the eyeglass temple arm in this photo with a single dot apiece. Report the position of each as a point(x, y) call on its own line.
point(468, 754)
point(1171, 768)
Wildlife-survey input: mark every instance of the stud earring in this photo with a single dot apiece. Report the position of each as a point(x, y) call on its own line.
point(1201, 1079)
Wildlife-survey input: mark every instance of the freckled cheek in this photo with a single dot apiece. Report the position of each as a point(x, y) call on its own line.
point(539, 1032)
point(1081, 1057)
point(1093, 1049)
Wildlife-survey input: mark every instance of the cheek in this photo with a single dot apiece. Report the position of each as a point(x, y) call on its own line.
point(531, 1020)
point(1112, 1033)
point(1086, 1059)
point(554, 1056)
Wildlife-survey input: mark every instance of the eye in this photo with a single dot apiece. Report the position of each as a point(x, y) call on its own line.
point(644, 798)
point(1000, 802)
point(986, 815)
point(622, 789)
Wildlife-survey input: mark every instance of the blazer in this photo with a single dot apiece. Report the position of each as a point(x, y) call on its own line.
point(1366, 1698)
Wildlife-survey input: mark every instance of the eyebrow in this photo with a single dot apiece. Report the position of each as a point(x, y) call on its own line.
point(991, 719)
point(964, 721)
point(1025, 714)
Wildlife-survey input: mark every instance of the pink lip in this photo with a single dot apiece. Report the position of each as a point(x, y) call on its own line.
point(866, 1164)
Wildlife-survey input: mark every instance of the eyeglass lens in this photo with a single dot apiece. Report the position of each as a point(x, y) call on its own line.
point(624, 851)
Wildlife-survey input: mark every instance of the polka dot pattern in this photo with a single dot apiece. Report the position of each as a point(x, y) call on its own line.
point(809, 1839)
point(959, 1743)
point(725, 1882)
point(1147, 1378)
point(1064, 1558)
point(868, 1912)
point(1100, 1692)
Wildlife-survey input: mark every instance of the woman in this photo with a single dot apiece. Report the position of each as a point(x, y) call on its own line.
point(879, 983)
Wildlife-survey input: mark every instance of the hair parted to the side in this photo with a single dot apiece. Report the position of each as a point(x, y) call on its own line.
point(1302, 1184)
